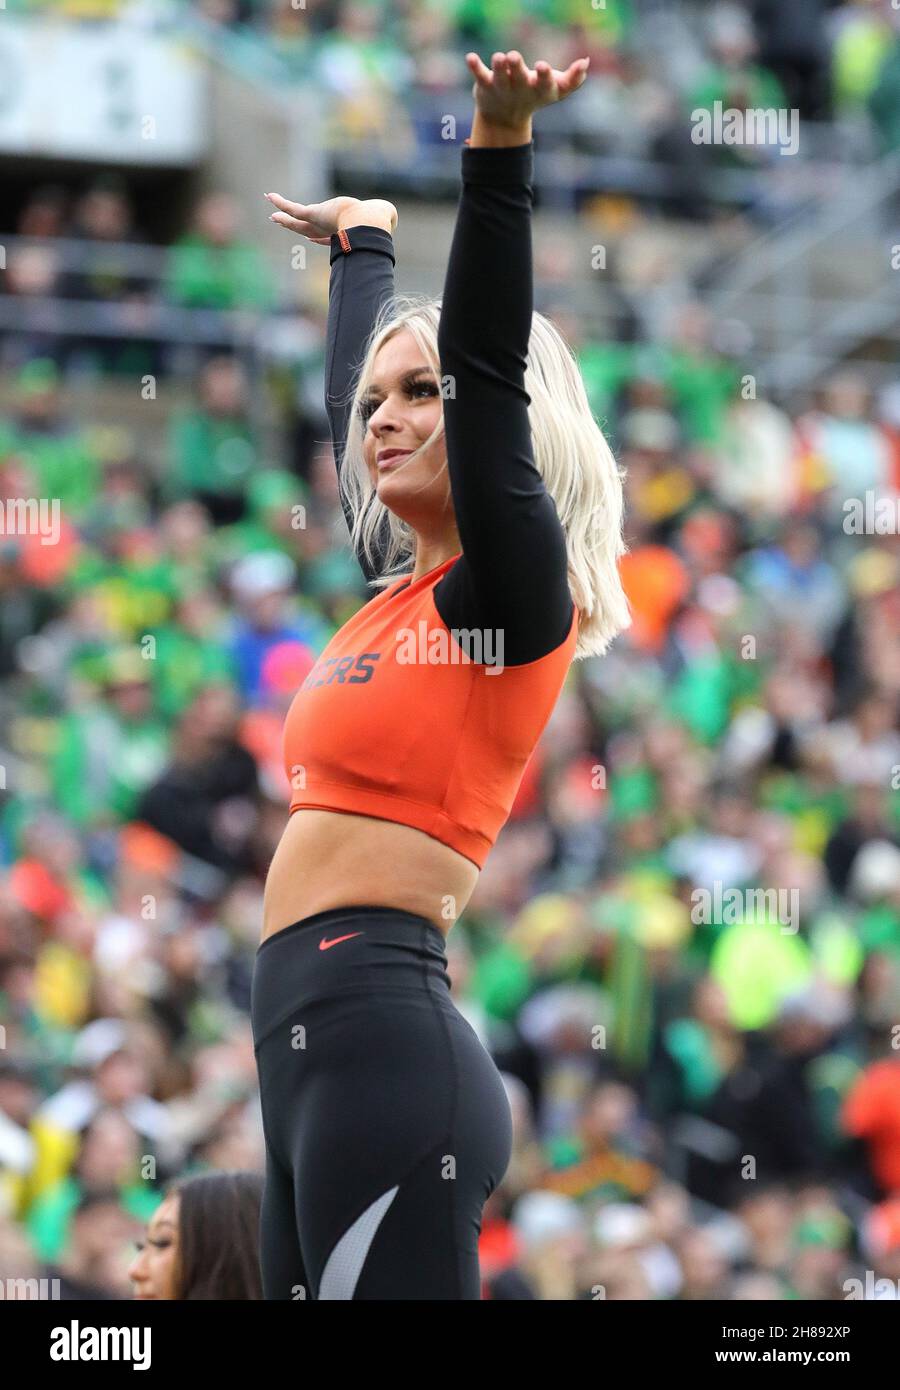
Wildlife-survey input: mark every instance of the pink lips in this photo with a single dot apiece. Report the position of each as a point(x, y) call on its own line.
point(388, 456)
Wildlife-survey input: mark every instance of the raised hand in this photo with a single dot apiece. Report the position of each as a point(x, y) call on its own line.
point(319, 221)
point(509, 92)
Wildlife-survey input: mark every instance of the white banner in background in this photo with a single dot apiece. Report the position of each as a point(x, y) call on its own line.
point(109, 93)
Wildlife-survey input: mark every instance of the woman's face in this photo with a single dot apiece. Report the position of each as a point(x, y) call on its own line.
point(403, 407)
point(153, 1270)
point(109, 1154)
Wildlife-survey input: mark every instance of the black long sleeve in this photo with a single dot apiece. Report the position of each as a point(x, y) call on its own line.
point(513, 573)
point(362, 278)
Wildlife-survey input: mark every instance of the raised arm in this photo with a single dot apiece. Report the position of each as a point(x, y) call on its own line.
point(361, 243)
point(513, 574)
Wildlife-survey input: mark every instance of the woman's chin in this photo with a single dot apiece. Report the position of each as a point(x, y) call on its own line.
point(391, 490)
point(411, 493)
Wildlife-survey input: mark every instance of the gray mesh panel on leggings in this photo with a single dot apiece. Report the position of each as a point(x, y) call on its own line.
point(348, 1257)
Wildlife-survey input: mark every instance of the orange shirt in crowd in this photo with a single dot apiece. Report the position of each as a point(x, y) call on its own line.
point(872, 1112)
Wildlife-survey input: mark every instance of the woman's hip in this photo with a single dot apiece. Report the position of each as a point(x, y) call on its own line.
point(358, 1040)
point(321, 964)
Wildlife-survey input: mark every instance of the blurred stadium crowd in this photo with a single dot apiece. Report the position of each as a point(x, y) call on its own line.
point(707, 1103)
point(651, 59)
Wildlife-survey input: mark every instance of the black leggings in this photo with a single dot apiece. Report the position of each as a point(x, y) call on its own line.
point(386, 1123)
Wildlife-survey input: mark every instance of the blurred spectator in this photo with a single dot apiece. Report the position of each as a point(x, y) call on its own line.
point(884, 99)
point(205, 799)
point(110, 749)
point(734, 78)
point(106, 1172)
point(103, 224)
point(113, 1087)
point(44, 215)
point(214, 446)
point(872, 1113)
point(863, 38)
point(847, 452)
point(793, 45)
point(212, 268)
point(266, 618)
point(41, 434)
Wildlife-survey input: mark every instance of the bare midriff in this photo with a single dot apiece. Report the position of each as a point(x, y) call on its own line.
point(328, 859)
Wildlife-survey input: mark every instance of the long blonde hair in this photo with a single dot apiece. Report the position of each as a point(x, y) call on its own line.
point(570, 453)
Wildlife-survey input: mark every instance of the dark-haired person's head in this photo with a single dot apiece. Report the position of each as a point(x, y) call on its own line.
point(203, 1241)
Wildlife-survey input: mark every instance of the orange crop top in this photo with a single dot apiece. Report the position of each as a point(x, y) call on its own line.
point(395, 722)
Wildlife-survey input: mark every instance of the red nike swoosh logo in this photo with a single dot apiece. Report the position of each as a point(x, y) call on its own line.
point(326, 945)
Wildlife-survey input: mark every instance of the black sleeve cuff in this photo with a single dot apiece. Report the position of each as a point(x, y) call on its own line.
point(362, 239)
point(500, 165)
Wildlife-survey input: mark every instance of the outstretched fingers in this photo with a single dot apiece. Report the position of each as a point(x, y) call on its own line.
point(285, 205)
point(296, 217)
point(510, 73)
point(544, 78)
point(295, 224)
point(573, 77)
point(477, 68)
point(500, 67)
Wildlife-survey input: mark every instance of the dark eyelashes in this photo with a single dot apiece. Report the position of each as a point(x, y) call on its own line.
point(369, 407)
